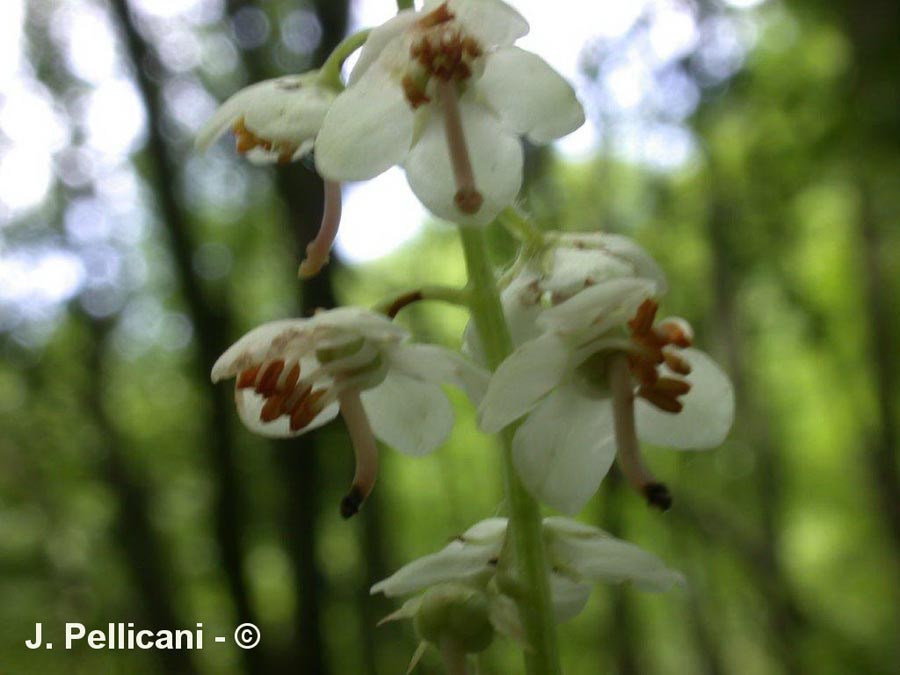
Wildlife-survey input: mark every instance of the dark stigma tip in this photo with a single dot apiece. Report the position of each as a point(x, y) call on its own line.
point(658, 496)
point(351, 503)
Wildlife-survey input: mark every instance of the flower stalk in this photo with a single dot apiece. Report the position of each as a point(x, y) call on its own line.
point(330, 73)
point(535, 605)
point(454, 658)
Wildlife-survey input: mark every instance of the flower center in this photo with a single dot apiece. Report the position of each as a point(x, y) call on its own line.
point(246, 140)
point(440, 49)
point(658, 345)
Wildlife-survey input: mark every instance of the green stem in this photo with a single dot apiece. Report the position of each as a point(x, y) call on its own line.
point(330, 73)
point(535, 603)
point(404, 4)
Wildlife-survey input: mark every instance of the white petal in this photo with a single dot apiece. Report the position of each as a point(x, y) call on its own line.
point(708, 409)
point(569, 597)
point(286, 109)
point(491, 22)
point(368, 129)
point(411, 416)
point(522, 380)
point(565, 448)
point(621, 248)
point(459, 561)
point(496, 157)
point(380, 40)
point(359, 321)
point(257, 346)
point(439, 365)
point(592, 554)
point(249, 405)
point(529, 95)
point(598, 308)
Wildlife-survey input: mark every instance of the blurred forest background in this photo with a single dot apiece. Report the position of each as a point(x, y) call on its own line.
point(756, 156)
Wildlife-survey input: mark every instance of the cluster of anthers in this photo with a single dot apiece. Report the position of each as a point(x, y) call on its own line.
point(658, 345)
point(302, 400)
point(440, 49)
point(245, 141)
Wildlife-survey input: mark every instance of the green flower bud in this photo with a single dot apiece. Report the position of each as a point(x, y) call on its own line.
point(458, 613)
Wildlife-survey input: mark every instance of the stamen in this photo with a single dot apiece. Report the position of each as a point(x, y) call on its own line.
point(675, 331)
point(319, 249)
point(642, 322)
point(676, 363)
point(268, 380)
point(439, 15)
point(247, 378)
point(365, 449)
point(468, 199)
point(246, 140)
point(628, 446)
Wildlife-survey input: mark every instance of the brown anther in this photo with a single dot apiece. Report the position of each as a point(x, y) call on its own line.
point(290, 381)
point(269, 379)
point(306, 411)
point(468, 200)
point(676, 363)
point(439, 15)
point(273, 408)
point(675, 332)
point(670, 385)
point(462, 72)
point(661, 400)
point(472, 48)
point(246, 140)
point(642, 323)
point(415, 95)
point(247, 378)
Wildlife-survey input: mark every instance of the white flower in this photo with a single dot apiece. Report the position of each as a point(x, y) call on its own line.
point(295, 375)
point(578, 555)
point(593, 373)
point(275, 120)
point(444, 92)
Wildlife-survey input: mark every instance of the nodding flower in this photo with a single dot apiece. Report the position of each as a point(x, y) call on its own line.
point(594, 372)
point(295, 375)
point(278, 120)
point(444, 92)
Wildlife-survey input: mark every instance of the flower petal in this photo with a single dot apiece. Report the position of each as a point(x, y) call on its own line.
point(496, 157)
point(287, 110)
point(257, 346)
point(620, 248)
point(707, 415)
point(529, 95)
point(591, 554)
point(368, 129)
point(491, 22)
point(569, 597)
point(250, 404)
point(438, 365)
point(380, 40)
point(598, 308)
point(522, 380)
point(411, 416)
point(565, 447)
point(461, 560)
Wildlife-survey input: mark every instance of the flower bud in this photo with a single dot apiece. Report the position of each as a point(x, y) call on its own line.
point(457, 613)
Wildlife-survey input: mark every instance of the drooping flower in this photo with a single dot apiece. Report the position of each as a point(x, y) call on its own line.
point(295, 375)
point(444, 92)
point(578, 556)
point(278, 120)
point(594, 372)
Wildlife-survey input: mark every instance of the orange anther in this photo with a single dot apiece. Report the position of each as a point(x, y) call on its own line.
point(269, 380)
point(247, 378)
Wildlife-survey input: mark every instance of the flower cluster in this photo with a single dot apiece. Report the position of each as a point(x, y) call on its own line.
point(445, 93)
